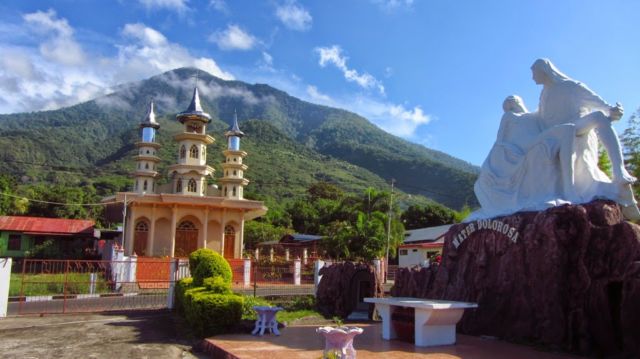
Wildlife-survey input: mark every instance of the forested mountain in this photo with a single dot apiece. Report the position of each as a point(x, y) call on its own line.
point(291, 143)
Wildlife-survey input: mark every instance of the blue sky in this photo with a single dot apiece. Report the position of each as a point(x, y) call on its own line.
point(432, 72)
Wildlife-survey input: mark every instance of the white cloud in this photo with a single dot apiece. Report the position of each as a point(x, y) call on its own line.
point(177, 5)
point(393, 4)
point(233, 38)
point(145, 35)
point(399, 119)
point(47, 21)
point(393, 118)
point(333, 56)
point(317, 96)
point(268, 59)
point(50, 70)
point(59, 45)
point(220, 5)
point(294, 16)
point(149, 53)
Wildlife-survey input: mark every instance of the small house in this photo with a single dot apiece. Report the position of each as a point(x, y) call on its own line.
point(421, 244)
point(69, 237)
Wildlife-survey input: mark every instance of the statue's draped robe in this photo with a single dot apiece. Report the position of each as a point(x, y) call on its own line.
point(539, 160)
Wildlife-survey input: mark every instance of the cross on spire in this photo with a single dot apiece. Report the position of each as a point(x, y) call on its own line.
point(197, 75)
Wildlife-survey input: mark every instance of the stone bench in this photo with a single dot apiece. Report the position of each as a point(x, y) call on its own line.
point(435, 320)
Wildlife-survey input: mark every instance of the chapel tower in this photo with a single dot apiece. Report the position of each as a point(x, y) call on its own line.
point(233, 181)
point(147, 160)
point(189, 175)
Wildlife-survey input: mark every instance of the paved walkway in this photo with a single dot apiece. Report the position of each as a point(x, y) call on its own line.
point(141, 334)
point(302, 342)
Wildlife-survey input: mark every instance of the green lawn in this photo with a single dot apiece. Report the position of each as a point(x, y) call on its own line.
point(53, 284)
point(286, 316)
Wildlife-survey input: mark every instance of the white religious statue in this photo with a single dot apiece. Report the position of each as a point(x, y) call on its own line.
point(550, 157)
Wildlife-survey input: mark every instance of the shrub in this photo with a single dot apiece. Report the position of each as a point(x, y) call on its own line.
point(205, 263)
point(181, 287)
point(249, 303)
point(217, 285)
point(209, 313)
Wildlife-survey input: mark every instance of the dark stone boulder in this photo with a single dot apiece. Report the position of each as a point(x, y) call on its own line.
point(567, 278)
point(338, 290)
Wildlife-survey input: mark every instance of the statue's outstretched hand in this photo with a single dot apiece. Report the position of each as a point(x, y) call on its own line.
point(616, 112)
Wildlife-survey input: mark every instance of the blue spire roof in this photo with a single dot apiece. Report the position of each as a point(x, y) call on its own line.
point(150, 119)
point(194, 109)
point(235, 129)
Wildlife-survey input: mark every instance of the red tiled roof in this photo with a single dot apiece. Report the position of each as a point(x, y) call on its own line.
point(49, 226)
point(437, 244)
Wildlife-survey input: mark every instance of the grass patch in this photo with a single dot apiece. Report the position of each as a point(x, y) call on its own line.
point(54, 284)
point(285, 316)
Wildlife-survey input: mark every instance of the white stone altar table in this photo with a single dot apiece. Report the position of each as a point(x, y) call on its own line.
point(266, 319)
point(435, 320)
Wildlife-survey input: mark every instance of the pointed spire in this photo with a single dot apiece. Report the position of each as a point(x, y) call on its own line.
point(194, 109)
point(195, 102)
point(150, 119)
point(235, 129)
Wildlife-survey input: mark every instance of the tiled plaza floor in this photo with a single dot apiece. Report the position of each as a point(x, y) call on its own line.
point(304, 342)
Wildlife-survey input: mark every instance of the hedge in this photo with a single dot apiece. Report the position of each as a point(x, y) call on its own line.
point(205, 263)
point(211, 313)
point(206, 299)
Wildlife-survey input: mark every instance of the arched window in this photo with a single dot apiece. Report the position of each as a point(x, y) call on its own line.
point(142, 226)
point(225, 191)
point(187, 226)
point(192, 186)
point(144, 187)
point(153, 187)
point(193, 152)
point(183, 152)
point(235, 173)
point(179, 186)
point(228, 230)
point(146, 166)
point(234, 191)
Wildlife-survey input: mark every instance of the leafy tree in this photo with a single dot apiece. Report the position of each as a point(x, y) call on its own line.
point(631, 141)
point(9, 204)
point(257, 232)
point(325, 190)
point(365, 238)
point(430, 215)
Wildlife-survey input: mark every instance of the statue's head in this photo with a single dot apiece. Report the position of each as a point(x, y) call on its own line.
point(514, 104)
point(544, 72)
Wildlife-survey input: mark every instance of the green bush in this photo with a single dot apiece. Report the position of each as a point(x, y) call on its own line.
point(181, 287)
point(209, 313)
point(217, 285)
point(205, 263)
point(249, 303)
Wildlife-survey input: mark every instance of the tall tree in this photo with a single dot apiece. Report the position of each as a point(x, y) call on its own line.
point(631, 141)
point(427, 216)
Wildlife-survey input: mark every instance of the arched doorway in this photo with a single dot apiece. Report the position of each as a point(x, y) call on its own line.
point(186, 239)
point(140, 237)
point(229, 241)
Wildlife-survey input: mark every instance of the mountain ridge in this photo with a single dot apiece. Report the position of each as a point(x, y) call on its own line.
point(68, 136)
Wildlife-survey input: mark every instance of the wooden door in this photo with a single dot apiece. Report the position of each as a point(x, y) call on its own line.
point(140, 237)
point(186, 239)
point(140, 243)
point(229, 242)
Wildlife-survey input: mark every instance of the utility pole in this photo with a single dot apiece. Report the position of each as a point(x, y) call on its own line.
point(124, 220)
point(386, 264)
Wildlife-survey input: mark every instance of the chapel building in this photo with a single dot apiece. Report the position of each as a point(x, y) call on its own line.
point(188, 212)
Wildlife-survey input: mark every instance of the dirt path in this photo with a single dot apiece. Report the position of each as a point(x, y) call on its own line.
point(142, 334)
